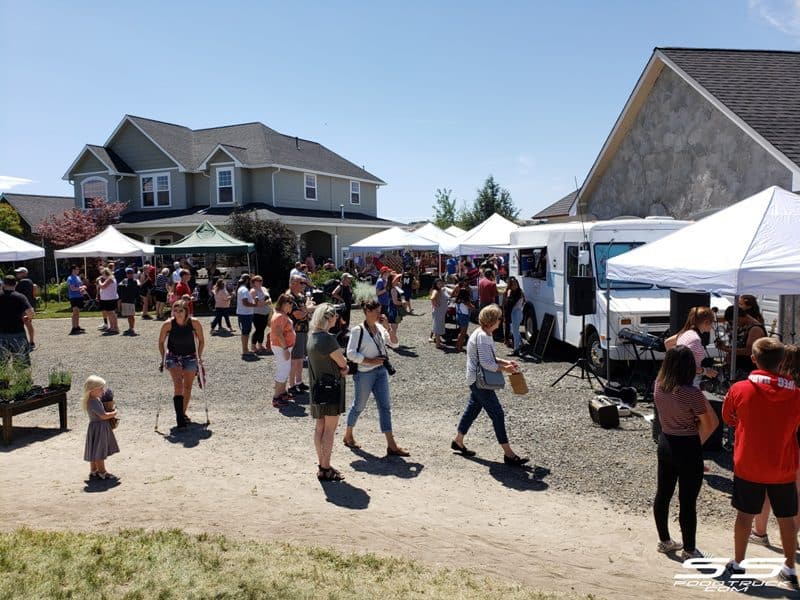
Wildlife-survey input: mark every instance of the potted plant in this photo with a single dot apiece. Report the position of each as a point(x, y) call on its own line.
point(15, 379)
point(59, 379)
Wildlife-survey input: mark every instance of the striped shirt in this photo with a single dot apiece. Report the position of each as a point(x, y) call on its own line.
point(691, 339)
point(480, 347)
point(679, 409)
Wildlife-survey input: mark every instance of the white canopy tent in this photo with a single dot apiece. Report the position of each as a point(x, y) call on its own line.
point(14, 249)
point(431, 232)
point(482, 238)
point(108, 242)
point(393, 239)
point(455, 231)
point(750, 247)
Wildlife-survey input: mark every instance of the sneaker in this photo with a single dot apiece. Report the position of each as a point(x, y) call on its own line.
point(295, 390)
point(81, 329)
point(787, 575)
point(686, 555)
point(302, 387)
point(668, 546)
point(733, 568)
point(759, 540)
point(102, 327)
point(108, 476)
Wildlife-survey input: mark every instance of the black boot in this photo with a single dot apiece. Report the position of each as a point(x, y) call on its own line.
point(179, 419)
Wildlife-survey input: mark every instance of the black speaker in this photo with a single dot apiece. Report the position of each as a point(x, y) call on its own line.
point(582, 296)
point(681, 302)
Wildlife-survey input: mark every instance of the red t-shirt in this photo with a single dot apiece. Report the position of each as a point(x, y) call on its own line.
point(182, 289)
point(765, 409)
point(487, 291)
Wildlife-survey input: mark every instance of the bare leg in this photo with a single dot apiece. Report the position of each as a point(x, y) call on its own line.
point(326, 447)
point(296, 374)
point(788, 539)
point(741, 534)
point(390, 441)
point(29, 328)
point(348, 437)
point(319, 429)
point(761, 519)
point(101, 466)
point(75, 316)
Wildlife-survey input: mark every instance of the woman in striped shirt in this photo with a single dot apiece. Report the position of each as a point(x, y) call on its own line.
point(686, 423)
point(480, 349)
point(700, 320)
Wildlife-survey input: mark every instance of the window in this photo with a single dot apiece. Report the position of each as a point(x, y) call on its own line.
point(93, 188)
point(155, 190)
point(311, 187)
point(533, 263)
point(225, 186)
point(602, 252)
point(355, 192)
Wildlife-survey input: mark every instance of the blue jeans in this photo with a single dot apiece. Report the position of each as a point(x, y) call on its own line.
point(516, 321)
point(484, 399)
point(219, 314)
point(377, 382)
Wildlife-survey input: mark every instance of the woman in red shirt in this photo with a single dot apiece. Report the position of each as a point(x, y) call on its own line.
point(182, 289)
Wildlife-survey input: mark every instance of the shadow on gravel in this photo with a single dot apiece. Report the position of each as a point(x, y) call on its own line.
point(394, 466)
point(345, 495)
point(294, 410)
point(722, 484)
point(223, 333)
point(407, 351)
point(25, 436)
point(94, 486)
point(189, 436)
point(524, 479)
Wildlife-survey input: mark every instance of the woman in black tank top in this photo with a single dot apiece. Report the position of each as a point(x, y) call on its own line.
point(181, 346)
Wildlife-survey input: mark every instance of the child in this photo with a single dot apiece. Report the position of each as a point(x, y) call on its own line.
point(222, 304)
point(100, 440)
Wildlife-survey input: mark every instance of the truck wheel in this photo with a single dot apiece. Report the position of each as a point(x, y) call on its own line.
point(595, 354)
point(531, 330)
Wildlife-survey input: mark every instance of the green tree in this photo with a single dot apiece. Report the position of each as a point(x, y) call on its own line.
point(444, 208)
point(491, 199)
point(9, 220)
point(276, 246)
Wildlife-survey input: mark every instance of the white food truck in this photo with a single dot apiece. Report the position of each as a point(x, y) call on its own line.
point(548, 255)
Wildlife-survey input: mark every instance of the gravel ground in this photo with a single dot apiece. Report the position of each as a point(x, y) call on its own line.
point(550, 424)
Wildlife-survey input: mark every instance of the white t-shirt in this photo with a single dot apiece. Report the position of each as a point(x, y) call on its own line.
point(241, 308)
point(110, 291)
point(176, 276)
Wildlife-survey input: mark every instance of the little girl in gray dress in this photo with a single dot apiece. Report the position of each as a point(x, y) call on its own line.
point(100, 440)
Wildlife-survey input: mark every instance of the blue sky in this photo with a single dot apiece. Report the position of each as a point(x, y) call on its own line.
point(424, 95)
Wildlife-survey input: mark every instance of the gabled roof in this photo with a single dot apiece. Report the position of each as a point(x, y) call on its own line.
point(560, 208)
point(250, 144)
point(756, 89)
point(112, 162)
point(34, 209)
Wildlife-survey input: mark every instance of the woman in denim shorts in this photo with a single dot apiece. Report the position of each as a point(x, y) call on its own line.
point(182, 339)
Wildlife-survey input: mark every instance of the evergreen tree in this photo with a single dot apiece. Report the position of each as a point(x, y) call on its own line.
point(491, 199)
point(444, 208)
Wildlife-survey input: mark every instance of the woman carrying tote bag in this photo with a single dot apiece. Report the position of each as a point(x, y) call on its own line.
point(481, 356)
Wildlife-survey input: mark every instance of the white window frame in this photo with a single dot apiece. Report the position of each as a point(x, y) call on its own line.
point(233, 186)
point(357, 192)
point(155, 175)
point(90, 180)
point(306, 187)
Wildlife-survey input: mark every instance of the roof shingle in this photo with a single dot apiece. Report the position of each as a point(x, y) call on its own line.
point(34, 209)
point(559, 208)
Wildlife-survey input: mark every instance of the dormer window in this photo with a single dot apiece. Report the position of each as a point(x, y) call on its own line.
point(355, 192)
point(94, 188)
point(311, 186)
point(155, 190)
point(225, 186)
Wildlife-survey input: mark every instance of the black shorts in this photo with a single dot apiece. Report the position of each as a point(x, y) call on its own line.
point(748, 497)
point(76, 302)
point(160, 295)
point(108, 305)
point(144, 290)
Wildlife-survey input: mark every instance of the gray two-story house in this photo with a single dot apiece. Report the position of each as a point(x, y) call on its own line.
point(173, 178)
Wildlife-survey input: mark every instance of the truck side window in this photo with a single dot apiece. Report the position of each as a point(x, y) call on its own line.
point(533, 263)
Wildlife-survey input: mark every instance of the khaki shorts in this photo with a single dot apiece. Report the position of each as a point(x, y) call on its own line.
point(127, 310)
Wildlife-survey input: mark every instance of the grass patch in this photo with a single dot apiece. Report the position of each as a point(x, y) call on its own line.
point(133, 564)
point(58, 310)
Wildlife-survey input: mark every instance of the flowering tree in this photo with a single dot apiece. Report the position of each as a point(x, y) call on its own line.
point(75, 225)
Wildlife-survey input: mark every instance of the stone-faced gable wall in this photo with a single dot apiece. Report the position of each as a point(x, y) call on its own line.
point(682, 157)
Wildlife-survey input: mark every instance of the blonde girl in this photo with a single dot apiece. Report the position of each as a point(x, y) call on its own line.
point(100, 440)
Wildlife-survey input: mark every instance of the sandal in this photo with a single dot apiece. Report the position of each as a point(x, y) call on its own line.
point(516, 461)
point(351, 443)
point(330, 474)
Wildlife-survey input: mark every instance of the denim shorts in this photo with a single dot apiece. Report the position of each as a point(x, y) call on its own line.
point(245, 323)
point(462, 320)
point(185, 363)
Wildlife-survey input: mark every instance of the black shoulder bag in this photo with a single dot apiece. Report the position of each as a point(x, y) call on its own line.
point(352, 367)
point(327, 389)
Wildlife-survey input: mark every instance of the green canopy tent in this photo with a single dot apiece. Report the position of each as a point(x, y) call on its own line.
point(208, 239)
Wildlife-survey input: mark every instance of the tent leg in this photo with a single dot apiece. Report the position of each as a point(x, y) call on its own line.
point(248, 262)
point(58, 279)
point(734, 330)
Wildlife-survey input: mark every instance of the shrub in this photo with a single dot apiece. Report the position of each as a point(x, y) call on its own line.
point(276, 245)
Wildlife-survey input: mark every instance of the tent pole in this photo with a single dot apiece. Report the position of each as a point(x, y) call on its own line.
point(734, 335)
point(58, 279)
point(44, 273)
point(248, 262)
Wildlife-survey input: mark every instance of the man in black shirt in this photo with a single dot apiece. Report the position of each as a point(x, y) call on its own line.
point(15, 310)
point(25, 287)
point(128, 292)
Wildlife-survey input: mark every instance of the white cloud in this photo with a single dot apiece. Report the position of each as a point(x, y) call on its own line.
point(525, 164)
point(8, 183)
point(783, 15)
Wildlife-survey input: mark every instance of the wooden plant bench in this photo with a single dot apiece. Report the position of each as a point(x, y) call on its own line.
point(9, 409)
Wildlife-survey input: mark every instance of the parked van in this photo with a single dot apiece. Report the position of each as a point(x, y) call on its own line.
point(548, 255)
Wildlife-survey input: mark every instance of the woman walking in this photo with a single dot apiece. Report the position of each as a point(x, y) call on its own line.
point(367, 348)
point(480, 354)
point(222, 305)
point(464, 308)
point(439, 300)
point(160, 292)
point(514, 304)
point(263, 306)
point(686, 423)
point(181, 346)
point(282, 339)
point(327, 368)
point(107, 289)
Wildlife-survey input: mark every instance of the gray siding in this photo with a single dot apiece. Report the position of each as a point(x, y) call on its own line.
point(178, 195)
point(331, 192)
point(89, 164)
point(682, 157)
point(200, 189)
point(129, 192)
point(138, 151)
point(260, 189)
